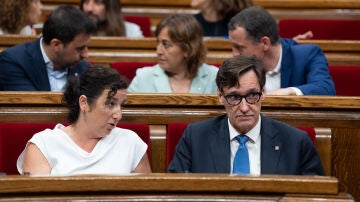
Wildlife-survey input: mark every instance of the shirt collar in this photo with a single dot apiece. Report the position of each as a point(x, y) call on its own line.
point(253, 134)
point(277, 68)
point(50, 65)
point(46, 59)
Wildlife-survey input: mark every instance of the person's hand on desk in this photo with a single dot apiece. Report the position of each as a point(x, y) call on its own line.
point(283, 91)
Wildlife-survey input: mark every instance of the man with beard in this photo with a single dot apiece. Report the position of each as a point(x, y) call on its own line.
point(46, 63)
point(109, 19)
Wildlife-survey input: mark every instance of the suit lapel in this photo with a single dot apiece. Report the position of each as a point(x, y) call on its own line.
point(270, 147)
point(285, 65)
point(219, 142)
point(36, 67)
point(161, 81)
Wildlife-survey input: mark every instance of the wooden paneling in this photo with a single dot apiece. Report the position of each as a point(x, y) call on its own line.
point(340, 114)
point(171, 187)
point(266, 3)
point(105, 50)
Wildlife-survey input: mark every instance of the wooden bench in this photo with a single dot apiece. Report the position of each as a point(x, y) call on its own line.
point(339, 114)
point(171, 187)
point(280, 9)
point(105, 50)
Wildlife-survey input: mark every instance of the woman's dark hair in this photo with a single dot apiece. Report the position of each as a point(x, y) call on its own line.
point(91, 83)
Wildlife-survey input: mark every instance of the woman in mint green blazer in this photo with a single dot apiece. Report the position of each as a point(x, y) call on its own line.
point(181, 55)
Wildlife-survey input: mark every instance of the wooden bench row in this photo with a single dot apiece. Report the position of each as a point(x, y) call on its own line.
point(159, 9)
point(339, 114)
point(266, 3)
point(171, 187)
point(105, 50)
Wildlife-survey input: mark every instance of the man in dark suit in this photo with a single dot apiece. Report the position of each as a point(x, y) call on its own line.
point(45, 64)
point(274, 147)
point(292, 69)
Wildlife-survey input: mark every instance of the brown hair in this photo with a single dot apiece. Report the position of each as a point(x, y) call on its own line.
point(228, 8)
point(186, 32)
point(13, 15)
point(114, 25)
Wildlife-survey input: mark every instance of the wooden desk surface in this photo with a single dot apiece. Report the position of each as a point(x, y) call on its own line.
point(265, 3)
point(105, 50)
point(174, 187)
point(158, 182)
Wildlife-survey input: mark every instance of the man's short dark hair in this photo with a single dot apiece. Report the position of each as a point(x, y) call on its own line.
point(232, 68)
point(257, 22)
point(66, 22)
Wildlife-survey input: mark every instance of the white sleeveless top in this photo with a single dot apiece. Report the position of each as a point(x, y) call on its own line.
point(117, 153)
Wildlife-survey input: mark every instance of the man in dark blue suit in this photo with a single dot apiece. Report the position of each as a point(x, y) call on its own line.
point(292, 69)
point(274, 147)
point(46, 63)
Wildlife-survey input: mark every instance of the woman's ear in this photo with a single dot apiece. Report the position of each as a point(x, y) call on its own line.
point(83, 102)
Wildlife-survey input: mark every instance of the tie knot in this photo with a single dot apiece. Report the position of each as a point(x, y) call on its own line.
point(242, 139)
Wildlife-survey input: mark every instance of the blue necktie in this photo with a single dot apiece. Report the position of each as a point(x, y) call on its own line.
point(241, 160)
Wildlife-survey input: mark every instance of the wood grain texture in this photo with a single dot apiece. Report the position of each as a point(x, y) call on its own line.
point(171, 183)
point(340, 114)
point(265, 3)
point(105, 50)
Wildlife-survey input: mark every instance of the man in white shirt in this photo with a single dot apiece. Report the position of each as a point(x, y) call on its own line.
point(292, 69)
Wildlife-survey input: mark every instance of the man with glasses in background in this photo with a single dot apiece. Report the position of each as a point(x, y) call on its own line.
point(243, 141)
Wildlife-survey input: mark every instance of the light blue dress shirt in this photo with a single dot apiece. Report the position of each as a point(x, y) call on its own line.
point(57, 79)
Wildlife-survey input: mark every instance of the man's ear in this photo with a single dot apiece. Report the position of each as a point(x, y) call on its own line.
point(56, 44)
point(221, 100)
point(263, 94)
point(266, 42)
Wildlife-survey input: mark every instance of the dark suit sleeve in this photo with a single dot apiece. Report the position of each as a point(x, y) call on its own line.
point(12, 75)
point(181, 162)
point(310, 161)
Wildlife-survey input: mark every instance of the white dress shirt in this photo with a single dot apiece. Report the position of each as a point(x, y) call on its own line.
point(253, 145)
point(273, 78)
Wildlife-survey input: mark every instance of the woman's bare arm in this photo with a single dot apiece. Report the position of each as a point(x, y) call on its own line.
point(143, 166)
point(34, 161)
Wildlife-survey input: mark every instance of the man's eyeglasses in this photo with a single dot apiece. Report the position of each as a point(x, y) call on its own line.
point(235, 99)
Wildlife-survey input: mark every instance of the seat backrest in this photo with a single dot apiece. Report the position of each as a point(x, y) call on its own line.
point(128, 69)
point(346, 79)
point(335, 29)
point(175, 131)
point(310, 131)
point(143, 130)
point(13, 139)
point(143, 21)
point(173, 135)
